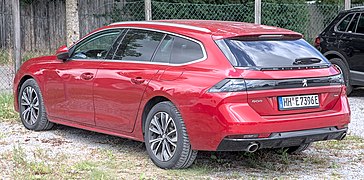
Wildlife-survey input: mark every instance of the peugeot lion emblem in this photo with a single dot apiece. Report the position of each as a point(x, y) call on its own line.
point(304, 82)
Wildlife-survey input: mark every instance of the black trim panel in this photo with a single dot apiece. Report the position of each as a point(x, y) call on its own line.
point(284, 139)
point(252, 85)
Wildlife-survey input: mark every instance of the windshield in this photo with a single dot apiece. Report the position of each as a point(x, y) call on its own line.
point(270, 53)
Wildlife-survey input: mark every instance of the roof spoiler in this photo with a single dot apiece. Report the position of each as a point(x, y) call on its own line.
point(265, 37)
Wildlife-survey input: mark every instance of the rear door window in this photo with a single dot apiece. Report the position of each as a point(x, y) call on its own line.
point(353, 23)
point(164, 51)
point(269, 53)
point(360, 28)
point(138, 45)
point(178, 50)
point(344, 23)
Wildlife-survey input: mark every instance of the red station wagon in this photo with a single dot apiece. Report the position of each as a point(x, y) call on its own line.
point(187, 85)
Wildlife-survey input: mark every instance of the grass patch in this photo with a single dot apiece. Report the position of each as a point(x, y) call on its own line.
point(7, 111)
point(85, 166)
point(197, 170)
point(45, 167)
point(28, 169)
point(92, 170)
point(106, 163)
point(316, 160)
point(350, 142)
point(5, 57)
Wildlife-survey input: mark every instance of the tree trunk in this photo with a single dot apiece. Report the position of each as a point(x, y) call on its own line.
point(72, 22)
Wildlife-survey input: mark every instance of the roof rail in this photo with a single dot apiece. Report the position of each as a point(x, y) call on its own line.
point(164, 24)
point(358, 7)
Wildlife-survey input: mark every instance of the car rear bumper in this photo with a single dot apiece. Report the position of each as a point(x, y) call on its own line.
point(283, 139)
point(209, 133)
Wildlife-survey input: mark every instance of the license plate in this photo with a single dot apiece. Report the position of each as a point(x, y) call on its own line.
point(298, 102)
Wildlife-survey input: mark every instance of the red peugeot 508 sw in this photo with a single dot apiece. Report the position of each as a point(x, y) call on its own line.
point(187, 85)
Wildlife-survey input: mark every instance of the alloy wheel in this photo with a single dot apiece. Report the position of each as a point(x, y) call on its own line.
point(163, 136)
point(29, 105)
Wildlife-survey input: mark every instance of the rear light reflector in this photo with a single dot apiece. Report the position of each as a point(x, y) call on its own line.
point(229, 85)
point(238, 85)
point(317, 42)
point(242, 136)
point(337, 79)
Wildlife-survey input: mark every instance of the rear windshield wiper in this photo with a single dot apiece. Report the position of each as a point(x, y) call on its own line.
point(301, 61)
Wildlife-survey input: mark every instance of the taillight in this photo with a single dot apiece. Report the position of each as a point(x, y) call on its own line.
point(337, 79)
point(317, 42)
point(229, 85)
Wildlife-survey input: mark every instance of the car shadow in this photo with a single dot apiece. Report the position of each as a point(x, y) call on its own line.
point(268, 160)
point(94, 138)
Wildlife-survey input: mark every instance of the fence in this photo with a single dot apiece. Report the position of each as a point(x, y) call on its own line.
point(43, 22)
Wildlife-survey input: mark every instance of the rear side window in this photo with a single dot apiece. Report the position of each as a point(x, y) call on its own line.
point(138, 45)
point(360, 28)
point(353, 23)
point(344, 23)
point(269, 53)
point(178, 50)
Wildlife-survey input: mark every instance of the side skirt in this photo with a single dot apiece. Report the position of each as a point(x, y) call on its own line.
point(95, 129)
point(357, 78)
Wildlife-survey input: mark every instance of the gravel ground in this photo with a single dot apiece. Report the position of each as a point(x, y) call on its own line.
point(68, 153)
point(356, 101)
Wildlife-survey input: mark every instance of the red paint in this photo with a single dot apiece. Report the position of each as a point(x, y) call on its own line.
point(109, 97)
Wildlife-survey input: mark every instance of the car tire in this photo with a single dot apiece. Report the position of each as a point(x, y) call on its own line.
point(166, 138)
point(341, 65)
point(31, 107)
point(297, 149)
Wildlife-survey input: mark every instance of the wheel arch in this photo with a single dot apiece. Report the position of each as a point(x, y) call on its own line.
point(18, 87)
point(334, 54)
point(22, 80)
point(149, 105)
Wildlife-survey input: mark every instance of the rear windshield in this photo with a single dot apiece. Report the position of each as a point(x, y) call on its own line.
point(270, 53)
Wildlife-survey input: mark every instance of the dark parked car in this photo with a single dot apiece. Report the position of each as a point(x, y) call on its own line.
point(342, 42)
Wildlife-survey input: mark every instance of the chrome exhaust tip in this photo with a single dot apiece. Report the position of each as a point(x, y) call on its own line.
point(252, 147)
point(342, 136)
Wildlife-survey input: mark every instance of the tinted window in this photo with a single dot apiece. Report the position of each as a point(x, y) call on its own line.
point(185, 51)
point(360, 28)
point(177, 50)
point(274, 53)
point(353, 23)
point(344, 23)
point(164, 51)
point(118, 40)
point(138, 45)
point(96, 46)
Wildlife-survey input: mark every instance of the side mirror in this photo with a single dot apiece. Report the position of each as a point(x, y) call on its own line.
point(62, 53)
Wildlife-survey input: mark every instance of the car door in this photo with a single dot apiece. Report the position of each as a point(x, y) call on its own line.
point(356, 60)
point(344, 31)
point(121, 82)
point(70, 88)
point(351, 42)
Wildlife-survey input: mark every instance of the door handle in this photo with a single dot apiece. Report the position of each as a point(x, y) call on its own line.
point(137, 80)
point(87, 76)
